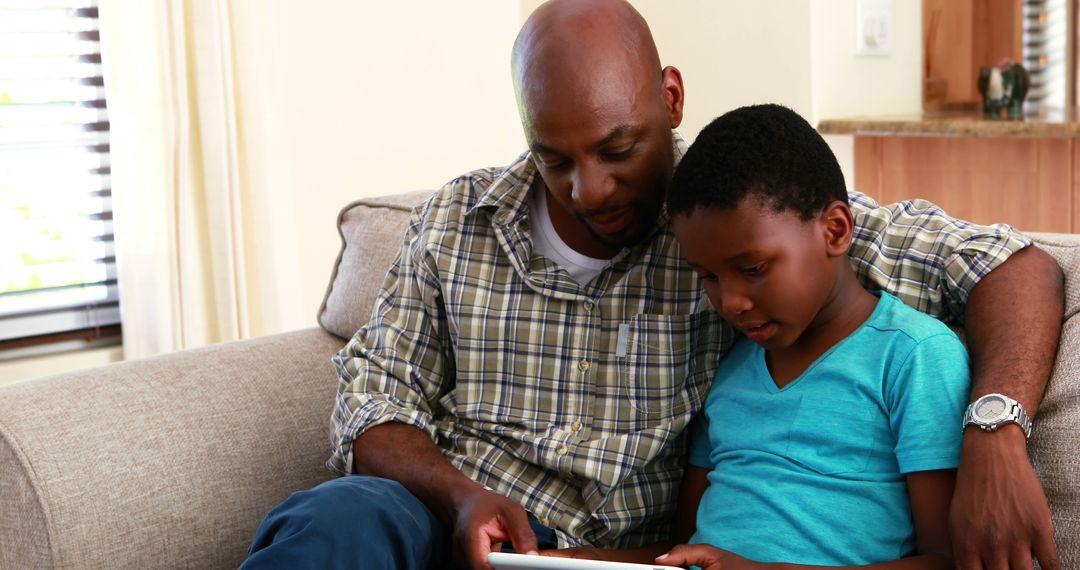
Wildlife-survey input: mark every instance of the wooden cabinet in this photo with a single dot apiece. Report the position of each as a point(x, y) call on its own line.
point(1029, 183)
point(1022, 172)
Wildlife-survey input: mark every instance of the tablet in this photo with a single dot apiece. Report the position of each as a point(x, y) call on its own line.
point(508, 561)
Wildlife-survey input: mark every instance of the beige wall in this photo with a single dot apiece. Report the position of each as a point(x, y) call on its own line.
point(358, 99)
point(733, 53)
point(843, 85)
point(391, 97)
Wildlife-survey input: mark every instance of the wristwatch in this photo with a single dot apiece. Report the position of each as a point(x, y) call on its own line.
point(992, 411)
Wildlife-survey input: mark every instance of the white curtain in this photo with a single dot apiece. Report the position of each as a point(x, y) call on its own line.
point(177, 173)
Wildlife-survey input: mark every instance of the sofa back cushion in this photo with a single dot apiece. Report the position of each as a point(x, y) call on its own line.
point(1055, 437)
point(372, 232)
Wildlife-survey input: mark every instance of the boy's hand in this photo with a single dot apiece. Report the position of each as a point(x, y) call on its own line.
point(708, 558)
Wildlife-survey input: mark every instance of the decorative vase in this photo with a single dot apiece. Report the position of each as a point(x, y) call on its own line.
point(1003, 86)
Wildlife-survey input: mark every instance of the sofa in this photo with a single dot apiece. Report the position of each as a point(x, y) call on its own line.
point(172, 461)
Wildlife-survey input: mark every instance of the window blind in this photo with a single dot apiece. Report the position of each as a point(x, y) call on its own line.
point(1045, 38)
point(57, 266)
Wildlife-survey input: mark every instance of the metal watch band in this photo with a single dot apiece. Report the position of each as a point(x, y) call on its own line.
point(1018, 414)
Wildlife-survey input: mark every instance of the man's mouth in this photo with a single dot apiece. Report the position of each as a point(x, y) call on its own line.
point(610, 223)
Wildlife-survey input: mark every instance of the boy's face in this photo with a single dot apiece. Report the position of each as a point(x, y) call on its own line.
point(768, 273)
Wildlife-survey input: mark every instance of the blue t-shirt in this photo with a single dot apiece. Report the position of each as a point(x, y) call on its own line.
point(814, 473)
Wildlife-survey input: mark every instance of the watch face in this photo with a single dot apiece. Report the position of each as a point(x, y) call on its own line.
point(990, 408)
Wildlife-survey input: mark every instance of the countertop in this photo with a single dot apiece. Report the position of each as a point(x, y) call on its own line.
point(1048, 124)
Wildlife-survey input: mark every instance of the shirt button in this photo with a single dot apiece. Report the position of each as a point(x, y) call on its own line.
point(576, 426)
point(589, 306)
point(561, 450)
point(583, 365)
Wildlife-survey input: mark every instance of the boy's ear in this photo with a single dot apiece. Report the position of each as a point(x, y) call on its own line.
point(838, 226)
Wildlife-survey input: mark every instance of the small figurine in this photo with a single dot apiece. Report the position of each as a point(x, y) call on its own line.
point(1003, 86)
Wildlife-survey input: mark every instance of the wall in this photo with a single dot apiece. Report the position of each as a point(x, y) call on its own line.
point(843, 85)
point(800, 53)
point(733, 53)
point(357, 99)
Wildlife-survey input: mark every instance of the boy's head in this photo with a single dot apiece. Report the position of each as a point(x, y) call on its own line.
point(759, 207)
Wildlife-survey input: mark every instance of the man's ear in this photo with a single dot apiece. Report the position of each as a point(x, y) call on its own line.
point(838, 226)
point(672, 86)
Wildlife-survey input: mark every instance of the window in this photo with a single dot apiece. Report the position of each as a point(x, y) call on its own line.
point(1046, 52)
point(57, 267)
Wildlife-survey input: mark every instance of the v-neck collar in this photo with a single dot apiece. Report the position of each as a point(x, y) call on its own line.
point(766, 377)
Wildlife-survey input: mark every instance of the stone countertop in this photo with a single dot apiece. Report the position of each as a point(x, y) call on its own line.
point(1048, 124)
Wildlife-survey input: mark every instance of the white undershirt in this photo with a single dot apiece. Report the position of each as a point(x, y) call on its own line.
point(546, 242)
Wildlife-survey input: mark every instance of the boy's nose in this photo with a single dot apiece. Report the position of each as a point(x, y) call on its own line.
point(735, 304)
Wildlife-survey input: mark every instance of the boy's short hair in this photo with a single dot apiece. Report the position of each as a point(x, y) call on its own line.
point(767, 150)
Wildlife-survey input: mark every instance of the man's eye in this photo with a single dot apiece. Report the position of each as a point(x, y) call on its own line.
point(707, 277)
point(753, 269)
point(618, 154)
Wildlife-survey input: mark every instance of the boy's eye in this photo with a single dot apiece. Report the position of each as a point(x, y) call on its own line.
point(707, 277)
point(757, 269)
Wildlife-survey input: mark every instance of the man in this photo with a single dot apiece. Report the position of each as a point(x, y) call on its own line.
point(539, 344)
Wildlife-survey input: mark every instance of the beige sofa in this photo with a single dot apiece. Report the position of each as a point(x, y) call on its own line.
point(172, 461)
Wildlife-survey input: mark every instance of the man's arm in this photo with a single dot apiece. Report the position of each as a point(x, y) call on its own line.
point(1013, 322)
point(391, 376)
point(1010, 297)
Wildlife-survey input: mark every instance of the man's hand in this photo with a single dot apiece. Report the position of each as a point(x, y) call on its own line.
point(483, 521)
point(708, 558)
point(999, 516)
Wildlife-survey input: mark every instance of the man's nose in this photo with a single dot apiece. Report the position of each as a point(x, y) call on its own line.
point(593, 187)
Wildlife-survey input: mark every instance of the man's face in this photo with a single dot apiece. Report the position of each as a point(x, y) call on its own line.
point(603, 148)
point(766, 272)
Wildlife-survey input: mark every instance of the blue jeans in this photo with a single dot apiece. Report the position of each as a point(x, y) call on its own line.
point(354, 522)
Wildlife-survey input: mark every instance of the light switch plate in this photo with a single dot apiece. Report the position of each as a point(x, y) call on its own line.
point(873, 28)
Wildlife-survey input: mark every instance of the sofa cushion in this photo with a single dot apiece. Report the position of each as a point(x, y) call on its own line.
point(1056, 433)
point(371, 235)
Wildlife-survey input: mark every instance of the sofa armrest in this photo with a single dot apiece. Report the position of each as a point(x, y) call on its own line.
point(170, 461)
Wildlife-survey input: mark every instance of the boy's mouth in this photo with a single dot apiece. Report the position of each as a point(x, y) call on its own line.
point(758, 331)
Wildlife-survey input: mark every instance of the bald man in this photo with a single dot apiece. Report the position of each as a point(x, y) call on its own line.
point(540, 345)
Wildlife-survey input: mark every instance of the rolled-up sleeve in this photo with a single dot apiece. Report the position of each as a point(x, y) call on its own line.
point(931, 261)
point(397, 365)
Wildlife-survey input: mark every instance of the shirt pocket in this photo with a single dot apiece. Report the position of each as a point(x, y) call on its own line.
point(658, 363)
point(832, 436)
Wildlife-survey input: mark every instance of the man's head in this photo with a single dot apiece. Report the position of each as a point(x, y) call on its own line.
point(759, 207)
point(597, 110)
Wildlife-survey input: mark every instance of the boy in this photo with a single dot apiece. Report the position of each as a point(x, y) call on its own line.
point(820, 440)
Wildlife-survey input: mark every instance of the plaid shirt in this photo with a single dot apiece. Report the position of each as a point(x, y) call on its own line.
point(571, 399)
